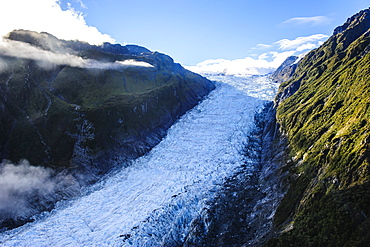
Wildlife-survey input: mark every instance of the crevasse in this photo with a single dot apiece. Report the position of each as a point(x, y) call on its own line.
point(155, 199)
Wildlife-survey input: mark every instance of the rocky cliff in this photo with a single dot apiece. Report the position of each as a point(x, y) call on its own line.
point(285, 70)
point(324, 111)
point(80, 110)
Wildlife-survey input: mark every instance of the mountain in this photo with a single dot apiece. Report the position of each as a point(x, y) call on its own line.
point(323, 112)
point(285, 70)
point(80, 110)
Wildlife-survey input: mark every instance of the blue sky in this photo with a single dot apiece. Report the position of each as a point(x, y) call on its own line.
point(195, 30)
point(189, 31)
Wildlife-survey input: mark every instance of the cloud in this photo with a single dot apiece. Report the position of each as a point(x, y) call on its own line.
point(272, 57)
point(308, 46)
point(19, 185)
point(49, 59)
point(24, 50)
point(48, 16)
point(81, 4)
point(308, 21)
point(131, 62)
point(264, 64)
point(286, 44)
point(26, 190)
point(262, 46)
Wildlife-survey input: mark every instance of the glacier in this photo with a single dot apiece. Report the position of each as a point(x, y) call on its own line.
point(153, 201)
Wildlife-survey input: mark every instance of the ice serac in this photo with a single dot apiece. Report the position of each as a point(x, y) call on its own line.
point(81, 109)
point(324, 113)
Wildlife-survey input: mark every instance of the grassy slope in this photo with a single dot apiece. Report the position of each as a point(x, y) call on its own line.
point(327, 122)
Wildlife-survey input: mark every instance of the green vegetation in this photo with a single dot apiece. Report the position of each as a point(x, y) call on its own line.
point(88, 118)
point(327, 124)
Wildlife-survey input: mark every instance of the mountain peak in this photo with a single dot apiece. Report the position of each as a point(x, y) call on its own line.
point(285, 70)
point(359, 20)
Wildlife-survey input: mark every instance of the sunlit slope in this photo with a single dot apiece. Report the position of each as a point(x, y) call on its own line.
point(324, 111)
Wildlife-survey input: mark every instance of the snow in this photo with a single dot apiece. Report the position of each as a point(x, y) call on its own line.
point(156, 198)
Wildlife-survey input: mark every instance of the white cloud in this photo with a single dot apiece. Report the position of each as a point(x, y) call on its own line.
point(286, 44)
point(19, 183)
point(263, 56)
point(308, 46)
point(48, 59)
point(47, 16)
point(264, 63)
point(308, 21)
point(262, 46)
point(81, 4)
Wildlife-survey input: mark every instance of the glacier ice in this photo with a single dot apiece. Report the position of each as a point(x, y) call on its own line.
point(154, 199)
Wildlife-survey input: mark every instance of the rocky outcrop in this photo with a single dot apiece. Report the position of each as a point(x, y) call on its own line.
point(285, 71)
point(323, 111)
point(82, 110)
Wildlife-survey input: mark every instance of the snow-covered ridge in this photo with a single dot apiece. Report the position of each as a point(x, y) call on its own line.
point(155, 199)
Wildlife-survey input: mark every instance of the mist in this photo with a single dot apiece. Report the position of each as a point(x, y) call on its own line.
point(26, 190)
point(20, 184)
point(50, 59)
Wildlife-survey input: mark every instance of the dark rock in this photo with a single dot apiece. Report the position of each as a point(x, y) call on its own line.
point(285, 71)
point(114, 48)
point(362, 18)
point(137, 50)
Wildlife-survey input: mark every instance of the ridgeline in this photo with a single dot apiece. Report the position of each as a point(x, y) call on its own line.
point(324, 113)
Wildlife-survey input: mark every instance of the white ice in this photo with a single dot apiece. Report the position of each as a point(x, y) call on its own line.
point(160, 193)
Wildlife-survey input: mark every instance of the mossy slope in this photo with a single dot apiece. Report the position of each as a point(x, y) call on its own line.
point(324, 110)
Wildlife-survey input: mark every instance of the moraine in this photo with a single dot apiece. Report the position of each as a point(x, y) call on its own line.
point(155, 199)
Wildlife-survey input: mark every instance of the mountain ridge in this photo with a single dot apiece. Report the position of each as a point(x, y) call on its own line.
point(82, 110)
point(323, 111)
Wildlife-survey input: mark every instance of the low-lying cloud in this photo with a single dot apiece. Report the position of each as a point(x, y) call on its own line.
point(18, 184)
point(26, 190)
point(273, 55)
point(49, 59)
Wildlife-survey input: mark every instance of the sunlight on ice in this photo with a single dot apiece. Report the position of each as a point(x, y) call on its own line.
point(160, 193)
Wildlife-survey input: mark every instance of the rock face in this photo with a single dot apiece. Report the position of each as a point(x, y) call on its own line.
point(285, 70)
point(324, 112)
point(82, 110)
